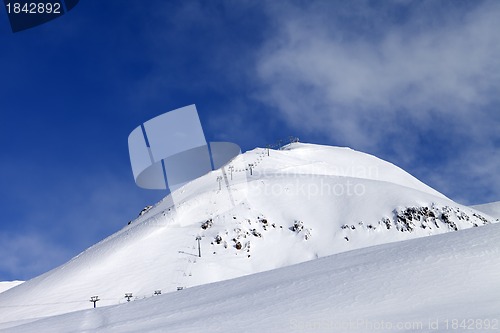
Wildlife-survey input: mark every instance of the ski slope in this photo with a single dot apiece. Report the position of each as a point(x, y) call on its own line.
point(492, 208)
point(265, 210)
point(442, 283)
point(6, 285)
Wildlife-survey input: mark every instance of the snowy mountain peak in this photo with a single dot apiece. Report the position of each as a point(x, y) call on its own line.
point(265, 209)
point(313, 159)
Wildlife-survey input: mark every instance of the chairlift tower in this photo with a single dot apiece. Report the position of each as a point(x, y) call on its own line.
point(94, 299)
point(128, 296)
point(198, 238)
point(219, 179)
point(250, 166)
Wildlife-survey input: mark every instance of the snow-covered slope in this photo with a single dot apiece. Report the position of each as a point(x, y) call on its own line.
point(264, 210)
point(492, 208)
point(446, 283)
point(6, 285)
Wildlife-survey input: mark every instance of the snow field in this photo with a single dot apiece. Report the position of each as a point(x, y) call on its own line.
point(443, 283)
point(283, 213)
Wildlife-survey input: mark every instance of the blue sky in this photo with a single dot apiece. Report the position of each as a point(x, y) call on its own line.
point(413, 82)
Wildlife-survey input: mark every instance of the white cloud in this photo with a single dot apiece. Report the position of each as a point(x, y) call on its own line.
point(472, 176)
point(451, 68)
point(378, 80)
point(24, 255)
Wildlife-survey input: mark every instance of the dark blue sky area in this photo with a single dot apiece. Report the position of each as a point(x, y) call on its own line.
point(415, 83)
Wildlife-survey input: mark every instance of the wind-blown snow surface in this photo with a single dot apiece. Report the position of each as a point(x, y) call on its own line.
point(444, 283)
point(258, 213)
